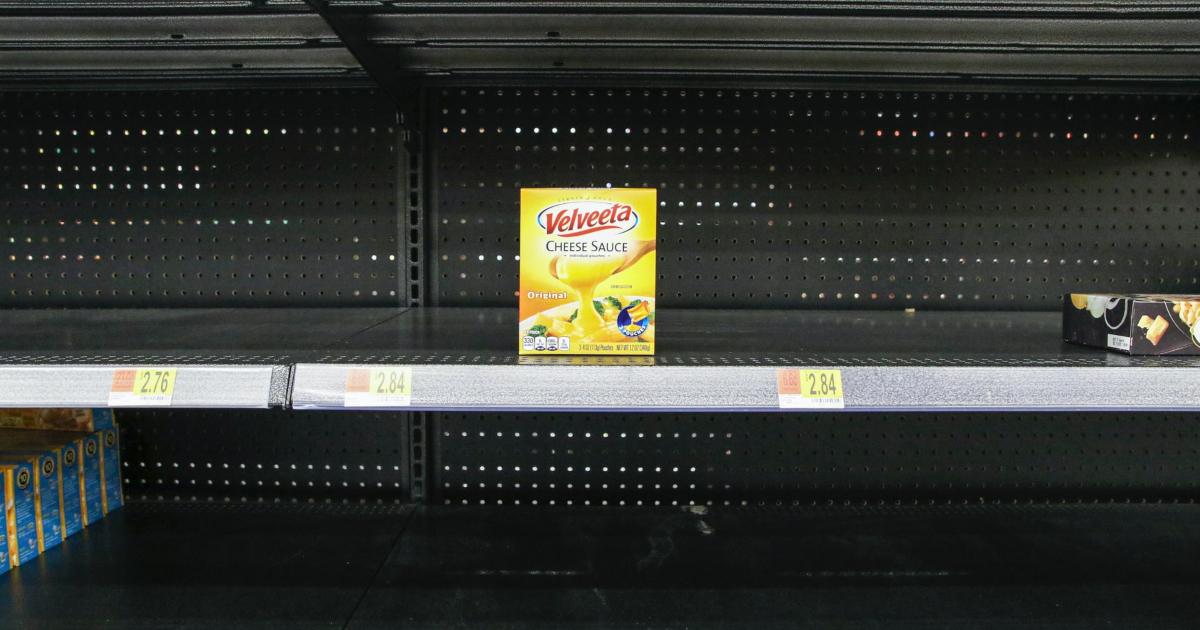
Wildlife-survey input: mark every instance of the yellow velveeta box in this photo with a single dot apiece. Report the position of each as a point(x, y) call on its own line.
point(587, 270)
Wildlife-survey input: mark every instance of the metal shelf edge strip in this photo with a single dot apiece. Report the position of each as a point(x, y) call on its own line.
point(754, 389)
point(207, 386)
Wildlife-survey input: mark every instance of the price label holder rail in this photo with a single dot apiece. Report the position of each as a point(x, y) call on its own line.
point(639, 386)
point(164, 385)
point(582, 383)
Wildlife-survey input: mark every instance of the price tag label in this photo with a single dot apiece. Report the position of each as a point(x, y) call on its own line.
point(386, 386)
point(810, 389)
point(142, 387)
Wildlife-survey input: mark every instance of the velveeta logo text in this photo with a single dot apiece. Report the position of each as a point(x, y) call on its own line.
point(579, 218)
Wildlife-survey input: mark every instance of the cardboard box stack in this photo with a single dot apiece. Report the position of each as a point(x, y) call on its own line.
point(60, 471)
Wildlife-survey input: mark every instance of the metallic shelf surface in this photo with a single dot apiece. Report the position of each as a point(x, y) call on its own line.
point(466, 359)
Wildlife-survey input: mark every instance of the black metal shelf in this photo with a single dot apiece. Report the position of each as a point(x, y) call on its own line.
point(214, 565)
point(749, 337)
point(928, 40)
point(166, 45)
point(223, 357)
point(977, 154)
point(186, 335)
point(935, 39)
point(466, 359)
point(315, 565)
point(1030, 8)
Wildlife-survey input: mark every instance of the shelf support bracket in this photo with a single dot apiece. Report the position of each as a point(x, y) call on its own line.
point(351, 28)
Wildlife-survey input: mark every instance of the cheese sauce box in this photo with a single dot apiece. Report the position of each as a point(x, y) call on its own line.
point(111, 496)
point(90, 480)
point(46, 493)
point(20, 511)
point(587, 271)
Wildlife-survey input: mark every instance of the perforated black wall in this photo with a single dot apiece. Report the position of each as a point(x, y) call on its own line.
point(835, 198)
point(784, 198)
point(209, 198)
point(769, 459)
point(232, 454)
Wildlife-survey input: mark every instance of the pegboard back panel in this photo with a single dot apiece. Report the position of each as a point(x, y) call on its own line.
point(200, 198)
point(834, 198)
point(770, 459)
point(225, 454)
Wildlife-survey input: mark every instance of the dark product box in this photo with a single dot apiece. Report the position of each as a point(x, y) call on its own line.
point(1134, 324)
point(91, 481)
point(58, 487)
point(72, 487)
point(20, 511)
point(57, 419)
point(111, 495)
point(4, 561)
point(80, 485)
point(46, 497)
point(103, 419)
point(49, 493)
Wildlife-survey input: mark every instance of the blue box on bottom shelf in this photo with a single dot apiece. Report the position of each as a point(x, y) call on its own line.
point(20, 511)
point(103, 419)
point(63, 449)
point(49, 493)
point(72, 495)
point(46, 492)
point(4, 559)
point(110, 469)
point(90, 480)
